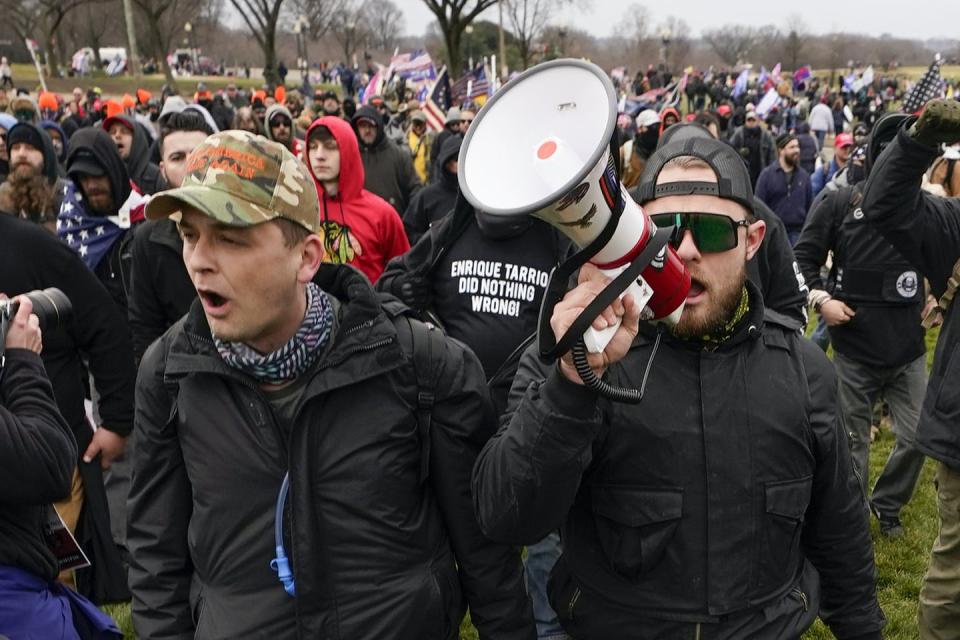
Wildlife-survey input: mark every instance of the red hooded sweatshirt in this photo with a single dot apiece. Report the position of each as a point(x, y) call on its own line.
point(362, 229)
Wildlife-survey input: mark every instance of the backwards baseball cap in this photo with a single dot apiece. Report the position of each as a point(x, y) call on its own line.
point(733, 180)
point(242, 179)
point(648, 118)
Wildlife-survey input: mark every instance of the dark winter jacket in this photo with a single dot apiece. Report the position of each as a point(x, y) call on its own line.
point(868, 275)
point(808, 148)
point(388, 168)
point(37, 458)
point(437, 199)
point(144, 173)
point(375, 552)
point(703, 507)
point(926, 230)
point(160, 287)
point(32, 258)
point(757, 147)
point(788, 196)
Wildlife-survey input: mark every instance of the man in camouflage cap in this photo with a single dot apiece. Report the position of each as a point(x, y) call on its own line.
point(289, 373)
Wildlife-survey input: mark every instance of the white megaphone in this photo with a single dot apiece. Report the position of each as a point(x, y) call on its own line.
point(541, 147)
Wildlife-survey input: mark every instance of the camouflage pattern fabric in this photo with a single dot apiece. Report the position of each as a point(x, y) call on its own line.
point(242, 179)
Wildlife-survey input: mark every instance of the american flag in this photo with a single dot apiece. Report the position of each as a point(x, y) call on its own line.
point(416, 66)
point(438, 101)
point(929, 87)
point(93, 236)
point(475, 83)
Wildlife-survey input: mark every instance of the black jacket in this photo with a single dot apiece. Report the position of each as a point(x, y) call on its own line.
point(37, 458)
point(32, 258)
point(160, 287)
point(388, 169)
point(691, 507)
point(867, 274)
point(375, 553)
point(436, 199)
point(926, 230)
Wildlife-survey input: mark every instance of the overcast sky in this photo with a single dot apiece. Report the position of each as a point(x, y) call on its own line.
point(911, 19)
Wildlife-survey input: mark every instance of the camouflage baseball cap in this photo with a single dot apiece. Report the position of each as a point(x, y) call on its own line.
point(242, 179)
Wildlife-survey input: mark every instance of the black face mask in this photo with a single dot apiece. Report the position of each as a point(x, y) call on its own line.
point(648, 139)
point(856, 173)
point(497, 227)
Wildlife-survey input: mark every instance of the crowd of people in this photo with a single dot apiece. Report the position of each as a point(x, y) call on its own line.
point(300, 365)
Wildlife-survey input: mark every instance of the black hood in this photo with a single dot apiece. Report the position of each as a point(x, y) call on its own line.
point(39, 139)
point(94, 143)
point(367, 112)
point(449, 150)
point(139, 158)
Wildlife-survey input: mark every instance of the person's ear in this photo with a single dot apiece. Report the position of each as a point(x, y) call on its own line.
point(755, 234)
point(313, 254)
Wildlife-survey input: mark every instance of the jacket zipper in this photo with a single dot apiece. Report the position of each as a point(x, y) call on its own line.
point(573, 603)
point(803, 598)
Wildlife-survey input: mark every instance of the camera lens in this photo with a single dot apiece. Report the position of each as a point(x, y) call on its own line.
point(52, 307)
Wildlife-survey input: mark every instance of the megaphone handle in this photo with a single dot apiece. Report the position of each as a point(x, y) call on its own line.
point(597, 340)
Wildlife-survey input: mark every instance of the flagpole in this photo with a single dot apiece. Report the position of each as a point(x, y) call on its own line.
point(36, 63)
point(503, 46)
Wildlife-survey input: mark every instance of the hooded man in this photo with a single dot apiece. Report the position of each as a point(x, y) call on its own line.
point(133, 144)
point(634, 152)
point(24, 108)
point(451, 127)
point(755, 145)
point(280, 128)
point(60, 143)
point(436, 199)
point(7, 122)
point(389, 169)
point(33, 188)
point(99, 208)
point(360, 228)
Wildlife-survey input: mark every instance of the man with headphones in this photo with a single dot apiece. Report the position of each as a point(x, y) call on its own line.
point(722, 505)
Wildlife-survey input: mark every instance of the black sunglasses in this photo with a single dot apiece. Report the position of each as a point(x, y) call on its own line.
point(712, 232)
point(281, 122)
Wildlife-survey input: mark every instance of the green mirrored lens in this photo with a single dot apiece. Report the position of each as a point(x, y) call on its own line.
point(712, 233)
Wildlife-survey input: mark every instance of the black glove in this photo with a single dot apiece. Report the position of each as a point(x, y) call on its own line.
point(414, 290)
point(939, 123)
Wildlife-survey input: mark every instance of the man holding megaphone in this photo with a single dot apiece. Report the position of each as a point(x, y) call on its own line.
point(721, 506)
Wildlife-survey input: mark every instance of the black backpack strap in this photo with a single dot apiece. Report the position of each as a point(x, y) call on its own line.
point(423, 343)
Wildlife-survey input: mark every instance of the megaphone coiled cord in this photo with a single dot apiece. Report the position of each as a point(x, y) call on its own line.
point(617, 394)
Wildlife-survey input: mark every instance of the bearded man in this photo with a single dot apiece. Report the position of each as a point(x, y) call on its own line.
point(32, 189)
point(723, 506)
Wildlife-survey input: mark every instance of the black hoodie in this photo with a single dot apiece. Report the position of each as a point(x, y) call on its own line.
point(145, 174)
point(388, 168)
point(94, 144)
point(437, 199)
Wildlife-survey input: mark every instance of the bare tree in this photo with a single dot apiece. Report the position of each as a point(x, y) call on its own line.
point(453, 17)
point(732, 42)
point(40, 18)
point(678, 32)
point(164, 21)
point(795, 41)
point(527, 19)
point(385, 20)
point(320, 14)
point(262, 17)
point(350, 28)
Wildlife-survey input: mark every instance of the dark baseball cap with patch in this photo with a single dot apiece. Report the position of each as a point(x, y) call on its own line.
point(733, 180)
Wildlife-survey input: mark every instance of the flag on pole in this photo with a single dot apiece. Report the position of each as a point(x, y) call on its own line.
point(374, 87)
point(930, 86)
point(477, 82)
point(800, 76)
point(741, 85)
point(416, 66)
point(437, 104)
point(767, 102)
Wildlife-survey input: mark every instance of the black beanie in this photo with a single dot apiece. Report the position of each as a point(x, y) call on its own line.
point(784, 139)
point(26, 133)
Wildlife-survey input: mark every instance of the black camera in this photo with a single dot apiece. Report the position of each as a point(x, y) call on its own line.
point(51, 306)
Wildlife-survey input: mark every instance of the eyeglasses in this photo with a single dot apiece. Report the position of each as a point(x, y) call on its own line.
point(712, 232)
point(281, 122)
point(466, 123)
